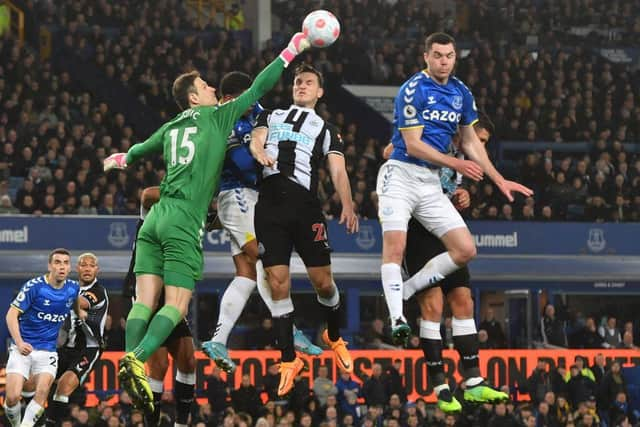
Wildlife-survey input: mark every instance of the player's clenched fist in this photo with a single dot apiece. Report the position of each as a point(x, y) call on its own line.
point(115, 161)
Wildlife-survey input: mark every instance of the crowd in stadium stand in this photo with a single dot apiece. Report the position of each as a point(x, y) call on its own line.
point(578, 395)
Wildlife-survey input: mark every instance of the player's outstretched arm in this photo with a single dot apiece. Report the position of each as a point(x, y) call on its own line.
point(340, 179)
point(476, 151)
point(121, 160)
point(14, 329)
point(263, 82)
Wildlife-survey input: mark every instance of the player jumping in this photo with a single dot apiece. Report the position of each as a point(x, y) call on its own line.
point(291, 144)
point(236, 205)
point(429, 108)
point(169, 244)
point(456, 288)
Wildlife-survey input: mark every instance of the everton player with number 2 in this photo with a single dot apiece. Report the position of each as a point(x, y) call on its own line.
point(34, 320)
point(291, 144)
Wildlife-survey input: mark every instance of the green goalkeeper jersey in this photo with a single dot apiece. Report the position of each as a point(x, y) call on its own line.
point(195, 141)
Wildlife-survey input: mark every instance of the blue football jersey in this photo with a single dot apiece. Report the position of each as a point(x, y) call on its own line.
point(437, 109)
point(240, 168)
point(43, 311)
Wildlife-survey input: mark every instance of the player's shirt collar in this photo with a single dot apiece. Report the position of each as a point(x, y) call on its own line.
point(84, 288)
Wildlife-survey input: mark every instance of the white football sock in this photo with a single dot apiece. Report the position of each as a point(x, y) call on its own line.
point(392, 286)
point(434, 271)
point(233, 301)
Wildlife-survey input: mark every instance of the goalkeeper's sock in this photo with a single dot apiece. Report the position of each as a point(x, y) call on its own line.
point(159, 329)
point(137, 322)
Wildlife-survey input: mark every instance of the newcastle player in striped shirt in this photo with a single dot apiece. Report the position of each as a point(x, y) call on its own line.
point(292, 144)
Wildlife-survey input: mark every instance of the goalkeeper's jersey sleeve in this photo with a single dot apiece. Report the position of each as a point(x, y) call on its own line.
point(195, 141)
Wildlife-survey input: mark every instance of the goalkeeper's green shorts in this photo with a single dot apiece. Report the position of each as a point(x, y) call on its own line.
point(169, 244)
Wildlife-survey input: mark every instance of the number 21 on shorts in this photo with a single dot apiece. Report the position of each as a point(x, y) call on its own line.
point(320, 232)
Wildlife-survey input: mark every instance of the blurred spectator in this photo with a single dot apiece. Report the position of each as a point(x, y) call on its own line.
point(501, 418)
point(494, 330)
point(263, 338)
point(6, 207)
point(377, 337)
point(627, 341)
point(323, 387)
point(580, 388)
point(540, 382)
point(394, 380)
point(612, 383)
point(545, 417)
point(374, 389)
point(599, 368)
point(588, 337)
point(483, 340)
point(246, 398)
point(552, 328)
point(271, 380)
point(217, 393)
point(610, 333)
point(346, 384)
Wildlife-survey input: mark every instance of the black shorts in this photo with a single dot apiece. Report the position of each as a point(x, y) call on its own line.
point(78, 360)
point(421, 247)
point(288, 216)
point(181, 330)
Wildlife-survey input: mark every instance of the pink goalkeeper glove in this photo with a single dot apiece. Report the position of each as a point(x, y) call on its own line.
point(115, 161)
point(297, 45)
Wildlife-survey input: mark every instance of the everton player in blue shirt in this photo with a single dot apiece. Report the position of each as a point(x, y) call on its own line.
point(34, 320)
point(429, 108)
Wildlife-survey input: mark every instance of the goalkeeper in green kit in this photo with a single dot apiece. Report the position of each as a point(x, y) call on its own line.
point(169, 244)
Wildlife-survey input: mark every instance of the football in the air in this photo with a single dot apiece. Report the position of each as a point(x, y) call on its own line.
point(321, 27)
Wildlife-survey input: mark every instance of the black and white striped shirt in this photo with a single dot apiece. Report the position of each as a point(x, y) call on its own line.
point(89, 333)
point(298, 139)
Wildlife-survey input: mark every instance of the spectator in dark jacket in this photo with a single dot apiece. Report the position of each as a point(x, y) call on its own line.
point(589, 337)
point(545, 417)
point(612, 383)
point(553, 328)
point(374, 390)
point(540, 382)
point(217, 392)
point(394, 381)
point(502, 418)
point(246, 397)
point(599, 368)
point(580, 387)
point(494, 330)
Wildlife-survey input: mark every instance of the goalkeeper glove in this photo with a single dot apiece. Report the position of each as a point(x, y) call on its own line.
point(296, 46)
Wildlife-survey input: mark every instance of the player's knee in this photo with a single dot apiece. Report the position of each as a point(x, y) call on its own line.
point(464, 253)
point(12, 397)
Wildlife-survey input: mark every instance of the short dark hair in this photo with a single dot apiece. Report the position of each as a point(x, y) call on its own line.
point(234, 83)
point(306, 68)
point(484, 122)
point(438, 38)
point(182, 87)
point(61, 251)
